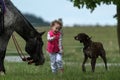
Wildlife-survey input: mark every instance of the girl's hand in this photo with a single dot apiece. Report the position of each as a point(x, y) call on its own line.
point(52, 38)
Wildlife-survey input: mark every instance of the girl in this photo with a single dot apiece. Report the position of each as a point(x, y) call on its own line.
point(54, 46)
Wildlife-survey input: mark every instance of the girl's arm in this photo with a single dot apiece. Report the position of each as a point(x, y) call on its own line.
point(60, 44)
point(50, 38)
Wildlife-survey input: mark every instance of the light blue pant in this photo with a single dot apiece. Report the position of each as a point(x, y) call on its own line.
point(56, 61)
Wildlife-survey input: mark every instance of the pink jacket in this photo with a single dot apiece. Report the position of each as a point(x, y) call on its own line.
point(54, 45)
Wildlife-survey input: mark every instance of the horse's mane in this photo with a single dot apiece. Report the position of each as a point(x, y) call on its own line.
point(30, 30)
point(16, 11)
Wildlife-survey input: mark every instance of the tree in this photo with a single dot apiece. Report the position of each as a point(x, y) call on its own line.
point(36, 21)
point(92, 4)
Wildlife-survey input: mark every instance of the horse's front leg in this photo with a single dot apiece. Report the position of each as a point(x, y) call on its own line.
point(2, 56)
point(4, 38)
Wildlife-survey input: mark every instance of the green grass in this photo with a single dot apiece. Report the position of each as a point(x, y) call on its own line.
point(22, 71)
point(72, 54)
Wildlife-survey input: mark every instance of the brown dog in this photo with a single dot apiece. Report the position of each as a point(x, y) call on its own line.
point(91, 50)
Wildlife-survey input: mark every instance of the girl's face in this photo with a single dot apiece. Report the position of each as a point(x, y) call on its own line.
point(56, 28)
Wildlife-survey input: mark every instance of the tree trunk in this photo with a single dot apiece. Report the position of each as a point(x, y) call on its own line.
point(118, 25)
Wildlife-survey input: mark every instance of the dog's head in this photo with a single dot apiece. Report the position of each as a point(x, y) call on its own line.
point(82, 37)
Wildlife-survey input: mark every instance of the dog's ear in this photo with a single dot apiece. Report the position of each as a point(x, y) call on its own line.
point(88, 38)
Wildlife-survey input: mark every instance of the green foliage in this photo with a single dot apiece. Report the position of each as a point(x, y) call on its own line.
point(92, 4)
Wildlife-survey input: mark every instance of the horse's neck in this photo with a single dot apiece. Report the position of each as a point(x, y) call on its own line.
point(24, 29)
point(18, 21)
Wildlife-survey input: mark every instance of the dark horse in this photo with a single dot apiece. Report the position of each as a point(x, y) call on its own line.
point(15, 21)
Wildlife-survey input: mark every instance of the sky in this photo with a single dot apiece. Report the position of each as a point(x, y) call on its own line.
point(50, 10)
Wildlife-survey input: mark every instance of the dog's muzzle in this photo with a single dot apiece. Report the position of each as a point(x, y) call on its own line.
point(76, 38)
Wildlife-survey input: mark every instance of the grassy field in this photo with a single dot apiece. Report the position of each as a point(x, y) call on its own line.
point(73, 57)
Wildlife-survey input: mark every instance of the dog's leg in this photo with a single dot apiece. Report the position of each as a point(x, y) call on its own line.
point(93, 62)
point(83, 64)
point(104, 59)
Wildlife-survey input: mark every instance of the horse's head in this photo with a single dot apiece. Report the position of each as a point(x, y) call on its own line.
point(34, 49)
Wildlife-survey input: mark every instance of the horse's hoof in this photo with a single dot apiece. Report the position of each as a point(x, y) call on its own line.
point(2, 73)
point(30, 62)
point(24, 59)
